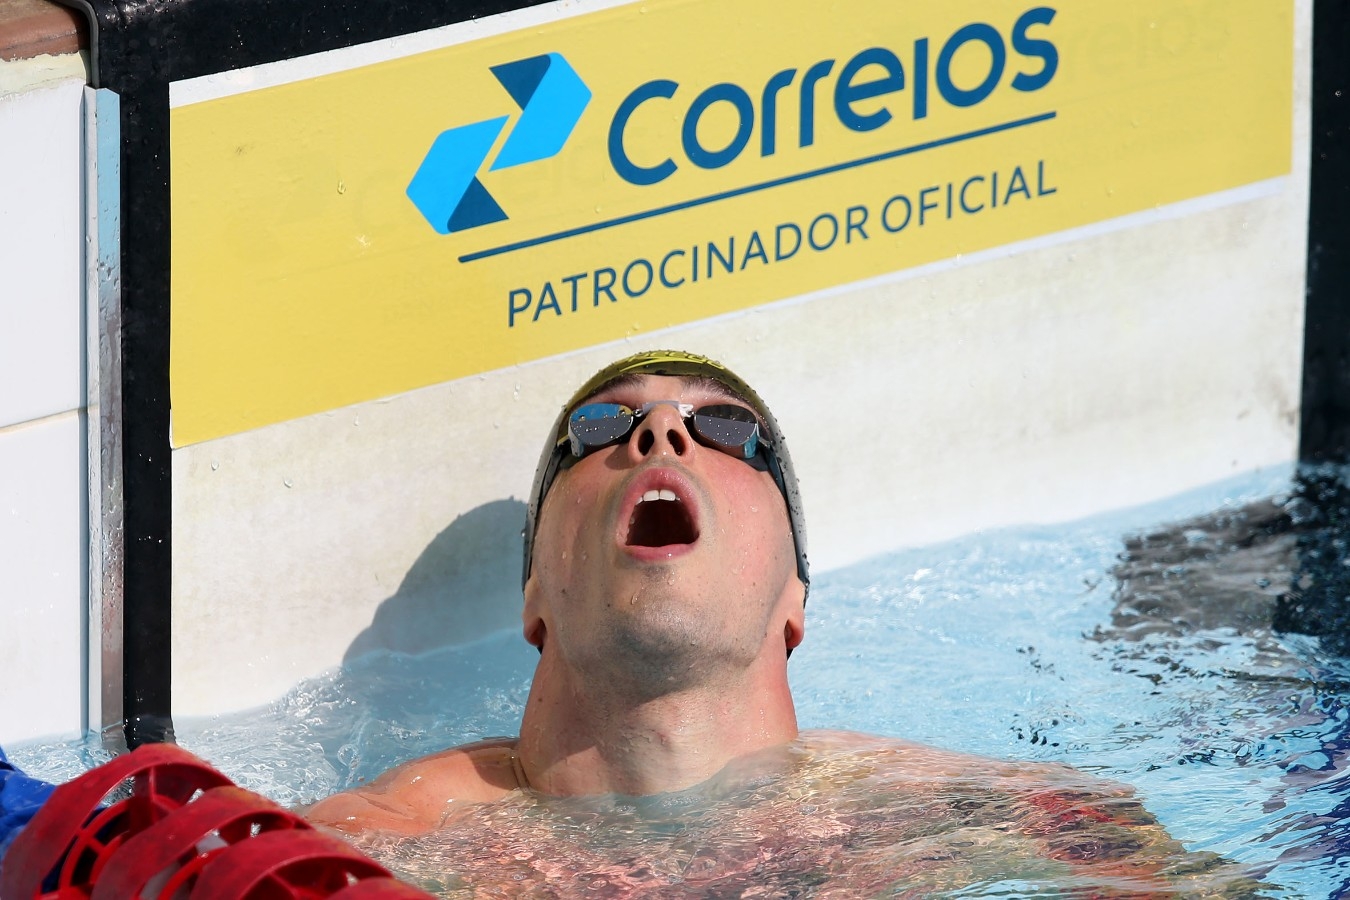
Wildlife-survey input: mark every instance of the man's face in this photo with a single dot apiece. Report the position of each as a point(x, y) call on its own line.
point(662, 552)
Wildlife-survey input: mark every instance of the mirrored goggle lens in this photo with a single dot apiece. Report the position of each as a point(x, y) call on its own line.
point(732, 429)
point(597, 425)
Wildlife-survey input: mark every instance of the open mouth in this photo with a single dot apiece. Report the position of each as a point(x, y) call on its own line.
point(659, 519)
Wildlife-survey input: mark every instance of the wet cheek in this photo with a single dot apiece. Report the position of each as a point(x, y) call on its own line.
point(554, 550)
point(573, 535)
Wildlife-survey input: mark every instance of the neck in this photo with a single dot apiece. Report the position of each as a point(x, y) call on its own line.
point(584, 736)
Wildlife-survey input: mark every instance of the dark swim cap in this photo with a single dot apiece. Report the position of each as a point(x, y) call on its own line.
point(677, 363)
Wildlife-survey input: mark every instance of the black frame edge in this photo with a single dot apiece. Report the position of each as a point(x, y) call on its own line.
point(1325, 422)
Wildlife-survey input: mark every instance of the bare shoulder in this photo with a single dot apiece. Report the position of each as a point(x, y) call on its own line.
point(924, 760)
point(415, 797)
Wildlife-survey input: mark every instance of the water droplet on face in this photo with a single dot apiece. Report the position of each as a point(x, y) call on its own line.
point(670, 578)
point(564, 554)
point(754, 509)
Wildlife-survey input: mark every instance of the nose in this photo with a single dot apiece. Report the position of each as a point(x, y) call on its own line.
point(661, 432)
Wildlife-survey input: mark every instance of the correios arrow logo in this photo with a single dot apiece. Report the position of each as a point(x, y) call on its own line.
point(446, 189)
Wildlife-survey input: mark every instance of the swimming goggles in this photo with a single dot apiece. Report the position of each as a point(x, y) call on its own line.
point(732, 429)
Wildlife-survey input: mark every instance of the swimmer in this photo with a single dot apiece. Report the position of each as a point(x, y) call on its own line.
point(665, 581)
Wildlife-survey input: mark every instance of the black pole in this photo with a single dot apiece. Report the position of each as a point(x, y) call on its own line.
point(147, 483)
point(1325, 433)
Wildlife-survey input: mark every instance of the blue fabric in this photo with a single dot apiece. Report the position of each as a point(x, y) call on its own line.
point(21, 796)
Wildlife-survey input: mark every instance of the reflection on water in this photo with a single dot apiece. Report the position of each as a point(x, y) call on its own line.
point(835, 815)
point(1253, 578)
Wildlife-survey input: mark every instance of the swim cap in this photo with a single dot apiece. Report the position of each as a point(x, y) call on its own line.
point(677, 363)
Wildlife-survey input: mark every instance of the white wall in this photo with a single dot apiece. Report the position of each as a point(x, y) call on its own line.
point(42, 458)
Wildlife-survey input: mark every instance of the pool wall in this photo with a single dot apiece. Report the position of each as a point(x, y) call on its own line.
point(1029, 376)
point(43, 522)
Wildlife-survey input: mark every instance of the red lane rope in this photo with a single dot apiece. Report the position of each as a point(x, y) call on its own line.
point(184, 830)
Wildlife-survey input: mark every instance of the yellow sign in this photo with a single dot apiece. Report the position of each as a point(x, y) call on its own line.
point(361, 233)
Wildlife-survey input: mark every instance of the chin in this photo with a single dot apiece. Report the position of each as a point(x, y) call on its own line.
point(658, 651)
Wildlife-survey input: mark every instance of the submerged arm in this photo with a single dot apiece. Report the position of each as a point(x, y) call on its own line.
point(415, 798)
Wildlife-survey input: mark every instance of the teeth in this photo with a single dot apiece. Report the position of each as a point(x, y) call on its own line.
point(658, 495)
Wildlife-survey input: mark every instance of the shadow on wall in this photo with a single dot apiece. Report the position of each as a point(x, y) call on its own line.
point(464, 585)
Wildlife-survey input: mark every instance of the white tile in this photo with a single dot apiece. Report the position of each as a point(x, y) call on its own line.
point(42, 578)
point(41, 263)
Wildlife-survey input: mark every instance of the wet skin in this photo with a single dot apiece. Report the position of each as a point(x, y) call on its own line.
point(830, 814)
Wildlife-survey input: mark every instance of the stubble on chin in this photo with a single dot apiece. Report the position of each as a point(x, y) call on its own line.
point(658, 642)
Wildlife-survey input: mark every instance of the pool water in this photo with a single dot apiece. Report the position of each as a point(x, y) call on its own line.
point(1196, 649)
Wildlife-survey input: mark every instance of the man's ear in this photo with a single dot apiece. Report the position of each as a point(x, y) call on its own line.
point(533, 622)
point(794, 599)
